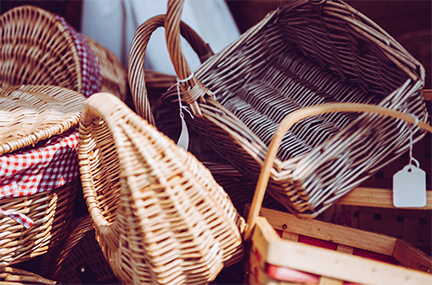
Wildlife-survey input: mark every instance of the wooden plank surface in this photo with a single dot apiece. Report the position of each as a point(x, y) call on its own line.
point(427, 94)
point(377, 197)
point(346, 236)
point(329, 263)
point(412, 257)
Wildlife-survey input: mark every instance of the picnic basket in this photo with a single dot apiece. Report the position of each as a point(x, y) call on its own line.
point(273, 260)
point(38, 168)
point(304, 53)
point(41, 48)
point(158, 214)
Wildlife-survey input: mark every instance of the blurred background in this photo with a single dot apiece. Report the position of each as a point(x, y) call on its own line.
point(219, 22)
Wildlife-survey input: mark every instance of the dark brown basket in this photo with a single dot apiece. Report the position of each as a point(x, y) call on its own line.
point(79, 260)
point(304, 53)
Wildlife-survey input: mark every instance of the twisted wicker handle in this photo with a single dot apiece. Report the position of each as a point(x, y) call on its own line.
point(293, 118)
point(172, 36)
point(112, 110)
point(137, 56)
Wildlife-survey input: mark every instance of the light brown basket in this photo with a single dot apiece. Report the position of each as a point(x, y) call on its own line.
point(30, 116)
point(15, 276)
point(38, 49)
point(164, 116)
point(159, 215)
point(304, 53)
point(33, 113)
point(273, 260)
point(50, 211)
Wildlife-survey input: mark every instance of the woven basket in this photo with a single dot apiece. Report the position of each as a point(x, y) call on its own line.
point(14, 276)
point(268, 262)
point(305, 53)
point(38, 168)
point(79, 260)
point(164, 116)
point(41, 48)
point(158, 214)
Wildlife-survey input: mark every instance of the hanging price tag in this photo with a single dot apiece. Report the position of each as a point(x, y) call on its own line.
point(183, 140)
point(409, 187)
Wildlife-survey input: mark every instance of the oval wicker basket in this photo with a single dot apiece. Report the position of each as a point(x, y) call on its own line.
point(41, 48)
point(159, 215)
point(38, 168)
point(305, 53)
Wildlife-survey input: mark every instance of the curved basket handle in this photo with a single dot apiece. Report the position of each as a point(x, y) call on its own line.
point(191, 88)
point(172, 36)
point(288, 122)
point(111, 109)
point(137, 52)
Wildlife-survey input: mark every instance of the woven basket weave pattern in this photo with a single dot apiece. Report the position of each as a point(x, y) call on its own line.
point(42, 48)
point(50, 212)
point(52, 61)
point(304, 54)
point(163, 207)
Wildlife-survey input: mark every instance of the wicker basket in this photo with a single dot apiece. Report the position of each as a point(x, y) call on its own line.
point(79, 260)
point(39, 168)
point(14, 276)
point(268, 262)
point(164, 116)
point(158, 214)
point(41, 48)
point(305, 53)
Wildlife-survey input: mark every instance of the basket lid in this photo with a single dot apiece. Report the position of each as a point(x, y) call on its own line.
point(29, 114)
point(38, 141)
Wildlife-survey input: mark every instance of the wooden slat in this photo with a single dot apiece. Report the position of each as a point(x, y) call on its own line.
point(412, 257)
point(330, 263)
point(345, 249)
point(427, 94)
point(377, 197)
point(330, 281)
point(330, 232)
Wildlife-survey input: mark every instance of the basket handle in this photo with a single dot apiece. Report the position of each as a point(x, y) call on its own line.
point(110, 109)
point(288, 122)
point(137, 52)
point(191, 88)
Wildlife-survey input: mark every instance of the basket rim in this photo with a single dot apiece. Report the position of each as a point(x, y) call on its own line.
point(56, 23)
point(45, 129)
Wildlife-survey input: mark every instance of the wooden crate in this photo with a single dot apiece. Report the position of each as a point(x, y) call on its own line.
point(370, 207)
point(283, 258)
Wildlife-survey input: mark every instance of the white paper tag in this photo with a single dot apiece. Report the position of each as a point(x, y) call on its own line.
point(409, 187)
point(183, 140)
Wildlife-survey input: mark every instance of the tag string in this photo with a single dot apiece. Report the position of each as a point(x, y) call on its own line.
point(181, 107)
point(411, 158)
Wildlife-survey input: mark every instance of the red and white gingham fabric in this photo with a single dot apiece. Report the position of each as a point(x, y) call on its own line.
point(47, 166)
point(90, 71)
point(54, 163)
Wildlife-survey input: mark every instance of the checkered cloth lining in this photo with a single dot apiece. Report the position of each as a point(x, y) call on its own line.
point(90, 71)
point(47, 166)
point(55, 163)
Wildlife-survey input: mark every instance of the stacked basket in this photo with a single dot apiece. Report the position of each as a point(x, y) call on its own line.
point(44, 66)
